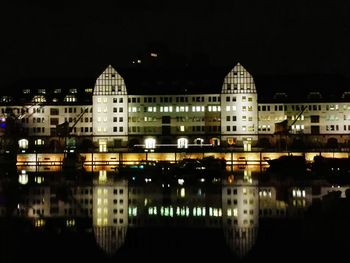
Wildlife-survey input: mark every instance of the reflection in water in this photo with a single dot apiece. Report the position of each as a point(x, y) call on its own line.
point(240, 204)
point(107, 204)
point(110, 218)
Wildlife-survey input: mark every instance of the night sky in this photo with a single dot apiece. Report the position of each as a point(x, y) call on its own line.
point(64, 39)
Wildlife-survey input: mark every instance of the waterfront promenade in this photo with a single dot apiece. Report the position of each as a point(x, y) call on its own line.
point(53, 161)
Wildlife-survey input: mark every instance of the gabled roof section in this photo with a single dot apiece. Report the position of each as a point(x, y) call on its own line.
point(238, 80)
point(110, 82)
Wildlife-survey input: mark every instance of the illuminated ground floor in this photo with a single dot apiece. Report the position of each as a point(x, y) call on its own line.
point(205, 143)
point(53, 161)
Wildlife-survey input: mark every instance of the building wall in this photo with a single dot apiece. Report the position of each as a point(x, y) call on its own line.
point(232, 118)
point(110, 114)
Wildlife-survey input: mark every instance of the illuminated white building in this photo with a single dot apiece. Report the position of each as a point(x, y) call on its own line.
point(108, 117)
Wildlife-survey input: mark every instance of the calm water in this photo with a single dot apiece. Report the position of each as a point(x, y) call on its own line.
point(247, 214)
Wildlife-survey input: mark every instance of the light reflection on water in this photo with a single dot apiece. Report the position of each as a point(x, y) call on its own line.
point(108, 204)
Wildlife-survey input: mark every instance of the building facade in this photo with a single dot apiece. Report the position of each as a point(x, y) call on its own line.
point(111, 118)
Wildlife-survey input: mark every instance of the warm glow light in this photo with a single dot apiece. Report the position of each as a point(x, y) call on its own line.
point(23, 177)
point(150, 143)
point(182, 143)
point(182, 192)
point(102, 177)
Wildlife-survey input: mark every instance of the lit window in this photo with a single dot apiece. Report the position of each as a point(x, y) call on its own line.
point(235, 212)
point(39, 142)
point(150, 143)
point(23, 144)
point(70, 98)
point(182, 143)
point(182, 128)
point(39, 98)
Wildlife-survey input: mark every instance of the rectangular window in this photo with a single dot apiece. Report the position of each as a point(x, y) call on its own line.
point(315, 118)
point(54, 111)
point(53, 121)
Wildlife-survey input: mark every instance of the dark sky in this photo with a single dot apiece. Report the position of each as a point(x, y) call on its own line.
point(64, 39)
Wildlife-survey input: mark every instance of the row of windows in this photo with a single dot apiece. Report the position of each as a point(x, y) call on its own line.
point(237, 86)
point(116, 129)
point(178, 129)
point(197, 119)
point(115, 100)
point(39, 120)
point(234, 99)
point(234, 108)
point(210, 108)
point(244, 128)
point(329, 107)
point(269, 118)
point(234, 118)
point(38, 129)
point(244, 190)
point(170, 99)
point(55, 111)
point(264, 128)
point(313, 118)
point(83, 129)
point(43, 91)
point(302, 127)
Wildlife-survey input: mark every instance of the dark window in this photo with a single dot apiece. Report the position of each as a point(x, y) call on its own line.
point(54, 111)
point(315, 129)
point(53, 121)
point(315, 118)
point(166, 119)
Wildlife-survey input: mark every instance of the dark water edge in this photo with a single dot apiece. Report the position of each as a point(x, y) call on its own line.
point(278, 239)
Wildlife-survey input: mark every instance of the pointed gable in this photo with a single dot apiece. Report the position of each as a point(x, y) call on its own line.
point(238, 80)
point(110, 82)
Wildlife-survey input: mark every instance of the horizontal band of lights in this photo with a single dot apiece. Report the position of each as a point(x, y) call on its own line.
point(184, 211)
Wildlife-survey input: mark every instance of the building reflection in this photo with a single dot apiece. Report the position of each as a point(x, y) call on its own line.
point(240, 219)
point(107, 204)
point(110, 217)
